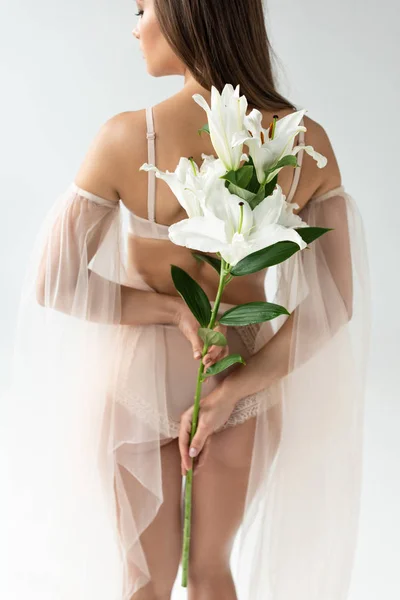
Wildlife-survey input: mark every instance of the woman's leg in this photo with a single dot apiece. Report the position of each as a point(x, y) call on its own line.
point(162, 540)
point(218, 500)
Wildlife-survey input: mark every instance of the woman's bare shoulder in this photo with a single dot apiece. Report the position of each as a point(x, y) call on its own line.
point(328, 177)
point(128, 129)
point(119, 145)
point(104, 164)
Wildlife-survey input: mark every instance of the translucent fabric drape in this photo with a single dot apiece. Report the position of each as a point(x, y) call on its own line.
point(299, 534)
point(84, 425)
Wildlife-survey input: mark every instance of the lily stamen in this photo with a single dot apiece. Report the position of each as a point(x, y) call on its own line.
point(193, 164)
point(272, 127)
point(241, 216)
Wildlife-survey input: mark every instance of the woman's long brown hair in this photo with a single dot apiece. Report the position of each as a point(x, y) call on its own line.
point(223, 41)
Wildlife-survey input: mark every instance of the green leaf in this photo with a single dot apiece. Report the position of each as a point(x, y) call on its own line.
point(196, 256)
point(289, 160)
point(254, 184)
point(263, 192)
point(223, 364)
point(211, 337)
point(257, 198)
point(205, 128)
point(230, 177)
point(266, 257)
point(252, 312)
point(193, 294)
point(244, 194)
point(244, 175)
point(309, 234)
point(270, 186)
point(211, 260)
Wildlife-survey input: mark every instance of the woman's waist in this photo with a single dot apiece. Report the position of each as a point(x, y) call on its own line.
point(156, 275)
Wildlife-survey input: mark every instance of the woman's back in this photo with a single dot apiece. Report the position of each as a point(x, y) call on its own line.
point(176, 121)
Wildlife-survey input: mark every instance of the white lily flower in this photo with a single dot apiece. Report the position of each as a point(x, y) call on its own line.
point(190, 184)
point(181, 182)
point(230, 227)
point(267, 152)
point(211, 166)
point(225, 118)
point(319, 158)
point(288, 218)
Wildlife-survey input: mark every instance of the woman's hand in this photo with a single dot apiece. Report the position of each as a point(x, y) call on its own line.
point(188, 324)
point(215, 410)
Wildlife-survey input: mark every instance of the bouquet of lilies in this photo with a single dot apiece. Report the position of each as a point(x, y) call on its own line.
point(240, 213)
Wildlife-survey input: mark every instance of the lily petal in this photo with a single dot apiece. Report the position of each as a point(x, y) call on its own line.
point(201, 101)
point(288, 218)
point(271, 234)
point(269, 210)
point(199, 233)
point(240, 137)
point(321, 160)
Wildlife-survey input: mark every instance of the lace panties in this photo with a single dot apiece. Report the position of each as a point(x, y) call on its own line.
point(241, 340)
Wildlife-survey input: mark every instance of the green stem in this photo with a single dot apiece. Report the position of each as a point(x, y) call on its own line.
point(223, 281)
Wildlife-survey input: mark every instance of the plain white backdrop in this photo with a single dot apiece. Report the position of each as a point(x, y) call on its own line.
point(69, 66)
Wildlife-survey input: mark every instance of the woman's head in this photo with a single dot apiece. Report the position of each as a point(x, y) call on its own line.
point(216, 41)
point(160, 58)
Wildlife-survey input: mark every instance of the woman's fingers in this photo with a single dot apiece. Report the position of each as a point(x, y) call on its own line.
point(184, 438)
point(199, 441)
point(209, 361)
point(214, 354)
point(200, 438)
point(198, 463)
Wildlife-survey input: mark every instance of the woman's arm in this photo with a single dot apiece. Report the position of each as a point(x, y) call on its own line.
point(140, 307)
point(327, 269)
point(78, 228)
point(269, 364)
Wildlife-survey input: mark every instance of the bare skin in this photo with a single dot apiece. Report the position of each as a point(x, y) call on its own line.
point(176, 121)
point(111, 170)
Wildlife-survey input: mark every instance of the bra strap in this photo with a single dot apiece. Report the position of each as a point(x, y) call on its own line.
point(297, 170)
point(151, 196)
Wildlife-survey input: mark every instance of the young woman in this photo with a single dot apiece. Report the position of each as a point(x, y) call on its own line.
point(106, 360)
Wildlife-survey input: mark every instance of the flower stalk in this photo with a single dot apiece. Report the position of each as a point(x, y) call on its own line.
point(224, 279)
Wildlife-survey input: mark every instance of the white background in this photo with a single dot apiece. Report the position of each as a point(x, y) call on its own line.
point(69, 66)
